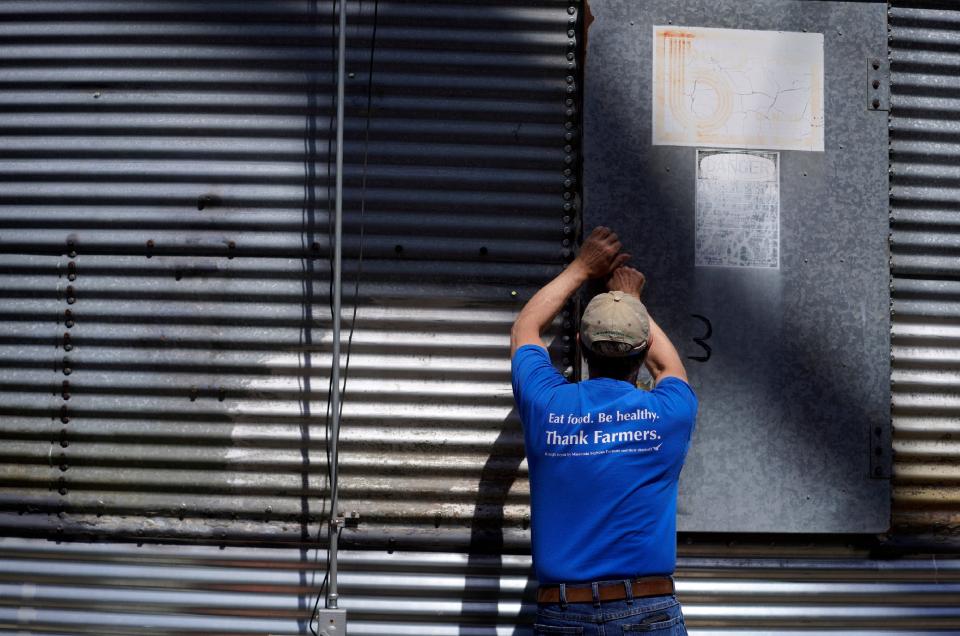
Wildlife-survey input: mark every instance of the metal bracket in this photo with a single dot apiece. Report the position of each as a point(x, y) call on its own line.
point(331, 622)
point(878, 84)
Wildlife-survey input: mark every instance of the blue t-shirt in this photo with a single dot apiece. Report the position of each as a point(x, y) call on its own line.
point(604, 460)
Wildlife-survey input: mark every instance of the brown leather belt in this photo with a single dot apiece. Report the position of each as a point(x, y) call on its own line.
point(608, 591)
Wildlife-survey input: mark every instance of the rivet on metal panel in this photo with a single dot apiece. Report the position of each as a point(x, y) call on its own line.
point(150, 246)
point(571, 89)
point(194, 393)
point(570, 79)
point(571, 10)
point(62, 464)
point(64, 415)
point(71, 248)
point(570, 34)
point(567, 183)
point(231, 245)
point(177, 274)
point(570, 112)
point(568, 159)
point(568, 136)
point(221, 394)
point(513, 293)
point(182, 512)
point(483, 251)
point(569, 102)
point(72, 271)
point(67, 370)
point(391, 544)
point(65, 390)
point(71, 295)
point(63, 438)
point(567, 196)
point(565, 242)
point(436, 520)
point(398, 249)
point(570, 55)
point(568, 148)
point(67, 344)
point(567, 219)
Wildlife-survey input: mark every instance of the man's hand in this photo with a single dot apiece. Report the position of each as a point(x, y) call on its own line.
point(600, 253)
point(627, 280)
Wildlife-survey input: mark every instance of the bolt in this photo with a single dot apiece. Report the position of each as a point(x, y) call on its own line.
point(876, 103)
point(513, 293)
point(876, 83)
point(221, 394)
point(194, 393)
point(875, 64)
point(68, 319)
point(571, 10)
point(67, 345)
point(570, 55)
point(483, 251)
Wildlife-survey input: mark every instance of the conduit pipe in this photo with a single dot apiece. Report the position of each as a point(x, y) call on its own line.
point(335, 521)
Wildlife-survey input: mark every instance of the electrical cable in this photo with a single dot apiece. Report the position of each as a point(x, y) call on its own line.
point(356, 286)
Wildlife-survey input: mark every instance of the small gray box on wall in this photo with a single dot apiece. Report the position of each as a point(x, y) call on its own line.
point(768, 266)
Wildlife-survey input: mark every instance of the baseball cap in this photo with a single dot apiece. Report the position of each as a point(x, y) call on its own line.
point(615, 324)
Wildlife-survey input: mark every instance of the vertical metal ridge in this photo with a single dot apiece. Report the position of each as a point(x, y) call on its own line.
point(925, 250)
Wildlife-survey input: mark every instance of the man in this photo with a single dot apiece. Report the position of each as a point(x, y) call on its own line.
point(604, 456)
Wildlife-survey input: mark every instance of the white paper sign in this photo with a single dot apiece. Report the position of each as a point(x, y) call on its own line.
point(738, 209)
point(734, 88)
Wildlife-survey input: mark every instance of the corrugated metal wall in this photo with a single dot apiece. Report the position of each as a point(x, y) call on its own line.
point(179, 150)
point(93, 589)
point(925, 265)
point(164, 181)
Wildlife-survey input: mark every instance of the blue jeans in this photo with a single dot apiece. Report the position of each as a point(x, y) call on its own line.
point(655, 615)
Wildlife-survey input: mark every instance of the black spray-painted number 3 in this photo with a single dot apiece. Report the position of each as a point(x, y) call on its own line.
point(702, 340)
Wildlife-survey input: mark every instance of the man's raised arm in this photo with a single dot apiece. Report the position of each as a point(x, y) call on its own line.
point(662, 360)
point(599, 255)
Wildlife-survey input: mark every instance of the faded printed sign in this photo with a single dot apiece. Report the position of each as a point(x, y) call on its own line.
point(734, 88)
point(738, 209)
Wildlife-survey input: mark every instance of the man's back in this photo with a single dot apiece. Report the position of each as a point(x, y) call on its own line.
point(604, 460)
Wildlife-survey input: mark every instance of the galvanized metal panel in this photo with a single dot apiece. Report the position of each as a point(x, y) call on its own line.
point(753, 589)
point(794, 388)
point(924, 155)
point(165, 333)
